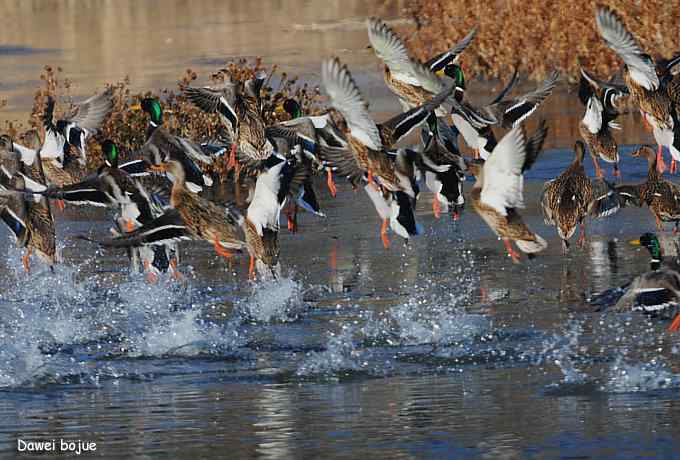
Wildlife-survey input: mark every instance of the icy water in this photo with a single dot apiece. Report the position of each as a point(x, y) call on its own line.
point(437, 349)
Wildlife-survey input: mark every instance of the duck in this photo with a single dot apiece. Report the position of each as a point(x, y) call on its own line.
point(261, 225)
point(655, 96)
point(413, 82)
point(475, 123)
point(190, 217)
point(161, 146)
point(74, 129)
point(310, 132)
point(656, 291)
point(597, 123)
point(440, 146)
point(366, 157)
point(239, 108)
point(661, 196)
point(568, 199)
point(29, 218)
point(497, 193)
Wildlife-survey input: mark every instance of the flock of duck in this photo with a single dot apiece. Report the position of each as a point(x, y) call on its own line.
point(157, 198)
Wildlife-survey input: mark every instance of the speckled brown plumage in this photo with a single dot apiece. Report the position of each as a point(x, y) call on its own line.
point(601, 143)
point(662, 196)
point(567, 199)
point(264, 248)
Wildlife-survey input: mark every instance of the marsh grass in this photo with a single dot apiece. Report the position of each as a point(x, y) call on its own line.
point(537, 35)
point(128, 128)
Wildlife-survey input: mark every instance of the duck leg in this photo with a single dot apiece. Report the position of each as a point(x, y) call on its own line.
point(151, 277)
point(26, 260)
point(675, 325)
point(436, 207)
point(581, 235)
point(617, 171)
point(330, 182)
point(60, 204)
point(232, 157)
point(383, 233)
point(221, 250)
point(659, 224)
point(514, 255)
point(660, 164)
point(251, 267)
point(674, 167)
point(598, 169)
point(291, 215)
point(173, 267)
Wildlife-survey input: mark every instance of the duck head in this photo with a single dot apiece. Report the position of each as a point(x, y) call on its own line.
point(110, 151)
point(651, 242)
point(455, 72)
point(153, 108)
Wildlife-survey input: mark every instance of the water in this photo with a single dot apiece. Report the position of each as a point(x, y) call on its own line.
point(438, 349)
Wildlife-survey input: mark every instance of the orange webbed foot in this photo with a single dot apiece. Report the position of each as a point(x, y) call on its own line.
point(331, 184)
point(383, 234)
point(675, 325)
point(436, 208)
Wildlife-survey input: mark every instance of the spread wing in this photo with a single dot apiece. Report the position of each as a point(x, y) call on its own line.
point(389, 47)
point(640, 65)
point(346, 98)
point(215, 99)
point(166, 228)
point(90, 113)
point(503, 181)
point(447, 57)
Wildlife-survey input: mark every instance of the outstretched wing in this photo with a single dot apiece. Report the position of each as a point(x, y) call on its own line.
point(640, 65)
point(215, 99)
point(164, 229)
point(447, 57)
point(503, 181)
point(346, 98)
point(90, 113)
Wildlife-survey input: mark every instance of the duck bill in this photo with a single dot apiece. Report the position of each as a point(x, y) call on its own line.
point(279, 110)
point(136, 107)
point(634, 242)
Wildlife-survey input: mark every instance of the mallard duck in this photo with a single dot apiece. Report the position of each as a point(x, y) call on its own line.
point(74, 130)
point(310, 132)
point(239, 108)
point(440, 146)
point(475, 123)
point(261, 225)
point(412, 82)
point(191, 217)
point(653, 95)
point(497, 193)
point(569, 198)
point(662, 196)
point(656, 291)
point(161, 146)
point(600, 98)
point(29, 219)
point(368, 141)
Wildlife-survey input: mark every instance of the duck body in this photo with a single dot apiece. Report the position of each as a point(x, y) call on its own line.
point(567, 199)
point(29, 218)
point(661, 196)
point(497, 193)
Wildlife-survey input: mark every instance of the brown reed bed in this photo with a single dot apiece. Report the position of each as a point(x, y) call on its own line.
point(127, 128)
point(537, 35)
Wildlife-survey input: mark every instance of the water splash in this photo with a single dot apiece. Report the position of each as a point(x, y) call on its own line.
point(341, 355)
point(272, 300)
point(627, 377)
